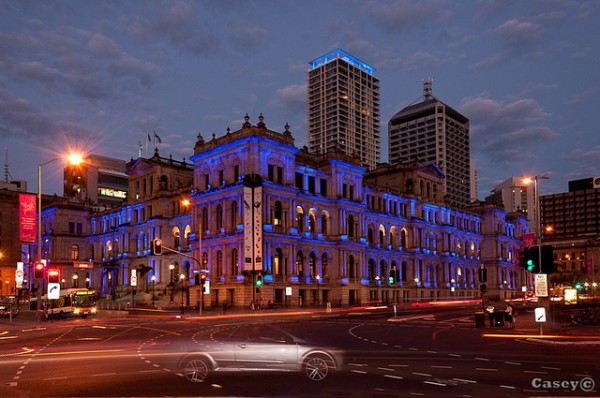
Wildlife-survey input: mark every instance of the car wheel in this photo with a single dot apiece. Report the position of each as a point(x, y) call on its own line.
point(196, 370)
point(316, 367)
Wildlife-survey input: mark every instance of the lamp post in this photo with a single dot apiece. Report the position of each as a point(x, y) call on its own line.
point(318, 278)
point(153, 278)
point(538, 223)
point(73, 159)
point(181, 279)
point(377, 279)
point(416, 289)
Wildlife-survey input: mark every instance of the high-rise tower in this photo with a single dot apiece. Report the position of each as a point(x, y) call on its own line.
point(431, 131)
point(343, 107)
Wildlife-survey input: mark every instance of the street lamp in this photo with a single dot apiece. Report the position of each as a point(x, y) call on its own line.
point(181, 279)
point(153, 278)
point(318, 278)
point(536, 204)
point(416, 289)
point(73, 159)
point(377, 279)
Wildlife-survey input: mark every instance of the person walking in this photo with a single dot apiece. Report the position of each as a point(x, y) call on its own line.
point(509, 315)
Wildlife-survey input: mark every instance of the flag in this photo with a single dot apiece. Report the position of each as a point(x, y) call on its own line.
point(148, 135)
point(157, 138)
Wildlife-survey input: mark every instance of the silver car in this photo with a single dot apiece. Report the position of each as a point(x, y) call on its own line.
point(257, 348)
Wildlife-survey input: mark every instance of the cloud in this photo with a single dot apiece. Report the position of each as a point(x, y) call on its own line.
point(519, 35)
point(247, 35)
point(290, 100)
point(395, 16)
point(502, 133)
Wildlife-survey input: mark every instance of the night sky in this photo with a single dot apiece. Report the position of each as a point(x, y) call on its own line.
point(96, 75)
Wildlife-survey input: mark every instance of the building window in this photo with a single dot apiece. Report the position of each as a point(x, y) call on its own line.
point(271, 172)
point(75, 252)
point(219, 217)
point(71, 228)
point(280, 175)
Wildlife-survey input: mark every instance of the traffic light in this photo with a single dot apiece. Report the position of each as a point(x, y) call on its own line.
point(524, 257)
point(393, 278)
point(157, 247)
point(53, 275)
point(548, 266)
point(38, 270)
point(533, 263)
point(203, 278)
point(483, 288)
point(259, 282)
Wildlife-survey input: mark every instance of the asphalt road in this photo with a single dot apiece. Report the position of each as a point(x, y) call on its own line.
point(428, 352)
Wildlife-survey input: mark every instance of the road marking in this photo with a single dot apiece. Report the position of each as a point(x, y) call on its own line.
point(441, 367)
point(393, 377)
point(435, 383)
point(386, 369)
point(421, 374)
point(481, 359)
point(535, 372)
point(513, 363)
point(465, 380)
point(550, 368)
point(103, 374)
point(455, 355)
point(487, 369)
point(509, 387)
point(362, 372)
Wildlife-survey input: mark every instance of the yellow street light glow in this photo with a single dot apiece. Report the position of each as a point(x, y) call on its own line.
point(75, 159)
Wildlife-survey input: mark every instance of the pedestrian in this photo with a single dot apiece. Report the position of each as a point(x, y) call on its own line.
point(509, 315)
point(490, 310)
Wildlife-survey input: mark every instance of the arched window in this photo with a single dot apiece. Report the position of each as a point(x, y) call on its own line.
point(403, 239)
point(351, 268)
point(219, 263)
point(299, 218)
point(370, 237)
point(176, 236)
point(109, 249)
point(204, 222)
point(219, 217)
point(312, 265)
point(381, 235)
point(278, 214)
point(278, 262)
point(234, 262)
point(186, 235)
point(234, 214)
point(324, 223)
point(372, 270)
point(312, 222)
point(325, 266)
point(300, 264)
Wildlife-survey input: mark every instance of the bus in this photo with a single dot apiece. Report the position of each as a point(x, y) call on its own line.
point(79, 302)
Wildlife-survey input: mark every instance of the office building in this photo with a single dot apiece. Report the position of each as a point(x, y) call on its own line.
point(344, 108)
point(99, 180)
point(431, 131)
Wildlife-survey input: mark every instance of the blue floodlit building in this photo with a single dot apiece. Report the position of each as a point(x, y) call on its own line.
point(314, 228)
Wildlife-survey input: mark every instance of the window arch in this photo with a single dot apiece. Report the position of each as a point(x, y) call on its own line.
point(300, 264)
point(325, 266)
point(204, 220)
point(312, 264)
point(382, 235)
point(219, 217)
point(403, 238)
point(324, 221)
point(299, 218)
point(234, 262)
point(234, 213)
point(278, 214)
point(219, 263)
point(350, 225)
point(312, 221)
point(176, 236)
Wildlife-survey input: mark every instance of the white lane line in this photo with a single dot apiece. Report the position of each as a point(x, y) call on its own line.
point(394, 377)
point(509, 387)
point(421, 374)
point(487, 369)
point(465, 380)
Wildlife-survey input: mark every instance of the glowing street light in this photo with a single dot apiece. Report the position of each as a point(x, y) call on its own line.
point(73, 159)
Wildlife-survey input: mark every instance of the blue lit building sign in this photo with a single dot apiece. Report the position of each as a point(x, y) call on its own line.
point(340, 54)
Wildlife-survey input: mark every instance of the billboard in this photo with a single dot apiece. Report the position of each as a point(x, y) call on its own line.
point(27, 220)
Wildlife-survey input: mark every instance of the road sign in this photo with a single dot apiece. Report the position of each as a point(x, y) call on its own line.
point(540, 314)
point(541, 285)
point(53, 291)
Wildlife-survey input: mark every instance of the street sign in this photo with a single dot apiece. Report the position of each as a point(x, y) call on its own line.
point(541, 285)
point(53, 291)
point(288, 290)
point(133, 277)
point(540, 314)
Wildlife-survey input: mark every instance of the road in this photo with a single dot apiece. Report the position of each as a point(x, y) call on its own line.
point(425, 351)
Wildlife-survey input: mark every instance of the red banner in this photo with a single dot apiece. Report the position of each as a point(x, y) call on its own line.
point(27, 218)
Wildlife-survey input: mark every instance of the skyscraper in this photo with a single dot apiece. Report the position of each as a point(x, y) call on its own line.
point(344, 107)
point(431, 131)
